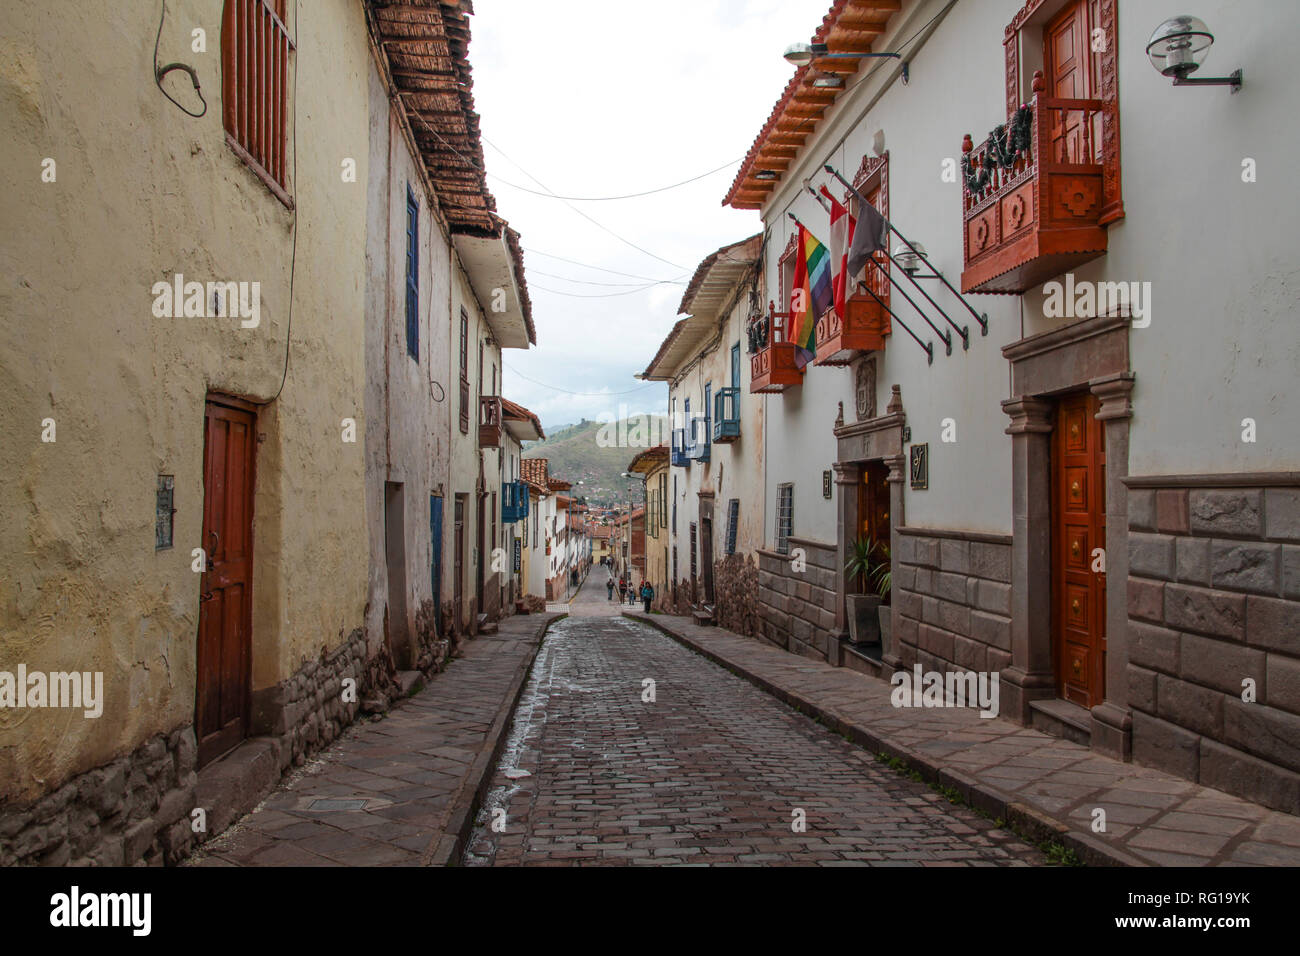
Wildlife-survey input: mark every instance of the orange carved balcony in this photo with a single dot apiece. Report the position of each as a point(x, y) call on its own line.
point(863, 329)
point(1038, 217)
point(772, 366)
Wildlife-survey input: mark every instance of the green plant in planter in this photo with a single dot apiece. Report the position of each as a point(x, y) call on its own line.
point(859, 565)
point(883, 574)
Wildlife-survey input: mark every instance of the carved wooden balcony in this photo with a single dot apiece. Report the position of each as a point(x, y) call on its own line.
point(863, 329)
point(1039, 217)
point(489, 421)
point(772, 366)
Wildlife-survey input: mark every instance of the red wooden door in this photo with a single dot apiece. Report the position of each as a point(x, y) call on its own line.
point(225, 604)
point(1078, 529)
point(1069, 74)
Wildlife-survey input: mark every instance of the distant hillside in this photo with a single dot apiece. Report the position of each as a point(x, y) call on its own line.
point(575, 454)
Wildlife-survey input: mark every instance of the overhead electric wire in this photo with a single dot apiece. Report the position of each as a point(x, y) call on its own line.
point(556, 388)
point(593, 295)
point(587, 265)
point(552, 275)
point(627, 242)
point(648, 192)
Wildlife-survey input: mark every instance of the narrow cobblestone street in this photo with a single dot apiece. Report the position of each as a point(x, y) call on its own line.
point(713, 770)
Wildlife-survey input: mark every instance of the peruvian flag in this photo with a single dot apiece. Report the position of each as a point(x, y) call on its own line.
point(842, 226)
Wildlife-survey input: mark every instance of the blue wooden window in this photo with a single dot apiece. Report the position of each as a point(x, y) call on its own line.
point(412, 275)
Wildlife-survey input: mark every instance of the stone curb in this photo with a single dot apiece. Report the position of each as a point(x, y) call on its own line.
point(983, 796)
point(446, 848)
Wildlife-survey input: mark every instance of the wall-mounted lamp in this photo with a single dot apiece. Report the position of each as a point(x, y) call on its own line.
point(828, 81)
point(910, 258)
point(767, 175)
point(801, 53)
point(1178, 47)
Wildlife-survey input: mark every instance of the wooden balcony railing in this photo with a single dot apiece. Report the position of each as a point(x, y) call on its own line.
point(726, 415)
point(772, 366)
point(863, 329)
point(489, 421)
point(1032, 196)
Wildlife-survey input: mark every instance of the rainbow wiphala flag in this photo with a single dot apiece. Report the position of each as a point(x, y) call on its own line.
point(811, 294)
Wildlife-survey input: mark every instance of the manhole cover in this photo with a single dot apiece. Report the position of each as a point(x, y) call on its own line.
point(337, 805)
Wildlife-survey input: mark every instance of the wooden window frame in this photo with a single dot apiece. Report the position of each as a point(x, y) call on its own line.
point(255, 89)
point(412, 274)
point(1034, 13)
point(784, 516)
point(733, 523)
point(464, 371)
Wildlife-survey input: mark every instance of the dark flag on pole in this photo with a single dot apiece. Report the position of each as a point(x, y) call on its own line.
point(870, 235)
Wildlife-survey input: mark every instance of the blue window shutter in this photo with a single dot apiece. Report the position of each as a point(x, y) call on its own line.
point(412, 275)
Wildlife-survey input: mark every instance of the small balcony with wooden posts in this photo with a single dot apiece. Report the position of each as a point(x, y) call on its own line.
point(489, 421)
point(697, 439)
point(678, 456)
point(726, 415)
point(514, 501)
point(772, 366)
point(863, 327)
point(1032, 196)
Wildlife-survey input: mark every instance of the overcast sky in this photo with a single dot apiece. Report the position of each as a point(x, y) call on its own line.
point(608, 98)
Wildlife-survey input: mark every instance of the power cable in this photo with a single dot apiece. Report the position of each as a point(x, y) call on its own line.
point(556, 388)
point(648, 192)
point(160, 72)
point(587, 265)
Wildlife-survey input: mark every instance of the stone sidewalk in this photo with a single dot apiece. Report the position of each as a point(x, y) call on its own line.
point(400, 790)
point(1044, 785)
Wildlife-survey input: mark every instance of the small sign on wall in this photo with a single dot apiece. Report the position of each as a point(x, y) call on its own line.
point(164, 514)
point(826, 484)
point(920, 467)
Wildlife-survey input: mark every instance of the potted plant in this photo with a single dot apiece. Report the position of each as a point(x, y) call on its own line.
point(883, 578)
point(864, 618)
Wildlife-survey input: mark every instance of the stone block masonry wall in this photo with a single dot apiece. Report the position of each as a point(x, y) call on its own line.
point(952, 593)
point(796, 609)
point(735, 583)
point(1214, 600)
point(137, 809)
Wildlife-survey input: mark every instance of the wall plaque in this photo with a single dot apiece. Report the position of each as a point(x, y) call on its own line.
point(920, 467)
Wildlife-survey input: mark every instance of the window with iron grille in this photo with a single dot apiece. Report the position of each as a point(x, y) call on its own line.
point(255, 49)
point(663, 497)
point(693, 561)
point(784, 517)
point(412, 275)
point(733, 519)
point(464, 371)
point(674, 504)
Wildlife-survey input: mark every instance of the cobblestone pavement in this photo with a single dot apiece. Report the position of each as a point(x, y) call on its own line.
point(399, 790)
point(1152, 818)
point(714, 771)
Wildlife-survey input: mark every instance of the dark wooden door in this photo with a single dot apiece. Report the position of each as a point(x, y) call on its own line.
point(1078, 529)
point(706, 553)
point(873, 511)
point(483, 556)
point(1068, 72)
point(225, 602)
point(458, 565)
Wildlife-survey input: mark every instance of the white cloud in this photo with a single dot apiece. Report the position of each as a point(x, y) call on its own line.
point(611, 97)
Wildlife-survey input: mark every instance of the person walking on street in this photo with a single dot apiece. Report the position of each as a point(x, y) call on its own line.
point(609, 586)
point(622, 590)
point(647, 595)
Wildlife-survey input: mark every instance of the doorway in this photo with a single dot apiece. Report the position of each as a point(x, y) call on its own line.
point(399, 632)
point(458, 565)
point(224, 644)
point(1078, 539)
point(873, 512)
point(1070, 69)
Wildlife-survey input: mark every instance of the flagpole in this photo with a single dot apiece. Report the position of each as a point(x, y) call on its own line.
point(963, 331)
point(981, 319)
point(929, 347)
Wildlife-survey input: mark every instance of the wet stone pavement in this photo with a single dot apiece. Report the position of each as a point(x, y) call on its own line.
point(713, 771)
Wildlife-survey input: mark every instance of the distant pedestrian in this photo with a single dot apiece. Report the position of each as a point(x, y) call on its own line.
point(647, 595)
point(609, 586)
point(622, 590)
